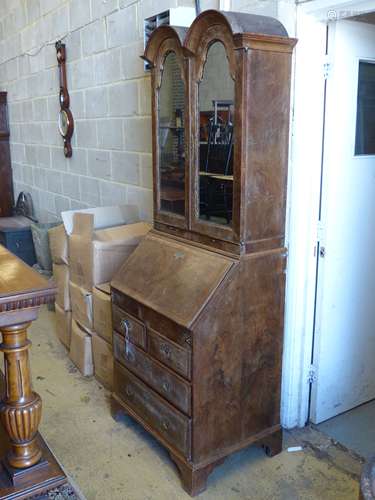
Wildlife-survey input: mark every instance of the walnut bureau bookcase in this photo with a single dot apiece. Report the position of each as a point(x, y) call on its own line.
point(198, 308)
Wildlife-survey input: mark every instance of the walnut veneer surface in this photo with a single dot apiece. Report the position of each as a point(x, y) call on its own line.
point(19, 282)
point(198, 308)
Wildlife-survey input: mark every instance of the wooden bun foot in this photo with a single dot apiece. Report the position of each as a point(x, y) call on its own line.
point(117, 410)
point(273, 444)
point(194, 481)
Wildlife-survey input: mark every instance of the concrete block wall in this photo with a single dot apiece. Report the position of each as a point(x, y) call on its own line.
point(110, 99)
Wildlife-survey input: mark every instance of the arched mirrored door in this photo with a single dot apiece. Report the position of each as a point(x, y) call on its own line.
point(216, 138)
point(171, 137)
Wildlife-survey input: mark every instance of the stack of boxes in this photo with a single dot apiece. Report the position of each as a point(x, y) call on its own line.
point(102, 338)
point(58, 242)
point(95, 255)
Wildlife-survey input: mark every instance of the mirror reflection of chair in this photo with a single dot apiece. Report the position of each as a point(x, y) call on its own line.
point(171, 137)
point(216, 162)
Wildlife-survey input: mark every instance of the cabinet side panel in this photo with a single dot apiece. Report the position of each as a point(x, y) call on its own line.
point(237, 358)
point(268, 111)
point(6, 197)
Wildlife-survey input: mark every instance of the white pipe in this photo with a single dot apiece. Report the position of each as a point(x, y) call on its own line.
point(224, 5)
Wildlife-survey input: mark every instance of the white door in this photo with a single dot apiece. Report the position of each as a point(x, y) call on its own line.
point(344, 344)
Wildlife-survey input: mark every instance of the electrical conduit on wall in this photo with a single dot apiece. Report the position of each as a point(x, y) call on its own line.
point(224, 4)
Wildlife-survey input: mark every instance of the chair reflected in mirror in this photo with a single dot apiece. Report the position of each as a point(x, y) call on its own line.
point(216, 162)
point(172, 159)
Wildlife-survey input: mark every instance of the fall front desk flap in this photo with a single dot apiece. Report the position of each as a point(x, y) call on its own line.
point(172, 278)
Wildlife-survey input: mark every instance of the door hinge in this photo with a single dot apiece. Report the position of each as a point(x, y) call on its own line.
point(311, 376)
point(320, 240)
point(327, 67)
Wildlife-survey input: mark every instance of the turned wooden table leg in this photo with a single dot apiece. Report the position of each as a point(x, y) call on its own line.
point(21, 408)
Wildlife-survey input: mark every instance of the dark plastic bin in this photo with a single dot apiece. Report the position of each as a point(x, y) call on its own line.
point(39, 232)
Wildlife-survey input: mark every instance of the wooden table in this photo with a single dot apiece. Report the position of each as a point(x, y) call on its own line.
point(27, 467)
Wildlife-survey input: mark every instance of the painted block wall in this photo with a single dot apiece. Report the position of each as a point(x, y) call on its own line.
point(110, 98)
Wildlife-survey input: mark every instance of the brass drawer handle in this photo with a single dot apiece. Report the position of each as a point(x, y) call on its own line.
point(166, 386)
point(165, 424)
point(129, 355)
point(166, 351)
point(126, 326)
point(129, 392)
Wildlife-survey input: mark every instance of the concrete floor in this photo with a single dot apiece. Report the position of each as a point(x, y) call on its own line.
point(119, 461)
point(354, 429)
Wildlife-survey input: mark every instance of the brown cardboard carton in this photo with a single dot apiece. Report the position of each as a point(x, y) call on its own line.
point(63, 325)
point(58, 243)
point(103, 361)
point(102, 311)
point(81, 350)
point(90, 219)
point(81, 301)
point(61, 277)
point(95, 256)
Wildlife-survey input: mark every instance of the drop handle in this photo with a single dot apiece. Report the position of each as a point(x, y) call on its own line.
point(166, 351)
point(126, 326)
point(165, 424)
point(129, 392)
point(166, 387)
point(128, 354)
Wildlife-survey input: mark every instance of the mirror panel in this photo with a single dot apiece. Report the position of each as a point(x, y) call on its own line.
point(216, 138)
point(171, 137)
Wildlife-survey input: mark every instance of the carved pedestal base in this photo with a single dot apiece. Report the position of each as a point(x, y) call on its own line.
point(21, 408)
point(18, 476)
point(25, 483)
point(27, 467)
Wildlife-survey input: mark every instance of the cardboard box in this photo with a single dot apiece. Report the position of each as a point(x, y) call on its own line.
point(63, 325)
point(61, 277)
point(81, 301)
point(81, 225)
point(102, 311)
point(58, 244)
point(81, 350)
point(103, 361)
point(95, 256)
point(103, 217)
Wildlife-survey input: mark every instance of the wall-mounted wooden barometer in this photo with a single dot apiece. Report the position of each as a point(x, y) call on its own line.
point(66, 121)
point(198, 308)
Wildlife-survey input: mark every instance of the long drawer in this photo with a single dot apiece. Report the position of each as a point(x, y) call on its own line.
point(170, 353)
point(130, 327)
point(169, 423)
point(163, 380)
